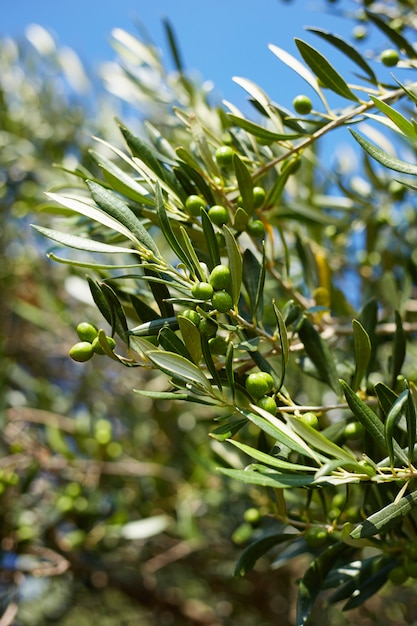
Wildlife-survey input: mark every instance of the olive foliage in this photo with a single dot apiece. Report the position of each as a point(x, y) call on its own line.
point(287, 317)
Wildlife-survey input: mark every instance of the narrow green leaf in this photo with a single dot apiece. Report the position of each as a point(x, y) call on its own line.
point(386, 518)
point(368, 317)
point(117, 209)
point(252, 271)
point(257, 549)
point(399, 120)
point(191, 254)
point(177, 366)
point(118, 317)
point(312, 582)
point(167, 231)
point(203, 147)
point(268, 459)
point(319, 353)
point(397, 411)
point(279, 431)
point(397, 38)
point(275, 192)
point(95, 266)
point(226, 431)
point(120, 180)
point(317, 440)
point(382, 157)
point(170, 342)
point(398, 349)
point(370, 421)
point(245, 183)
point(298, 67)
point(347, 49)
point(81, 243)
point(324, 70)
point(83, 207)
point(142, 151)
point(211, 240)
point(283, 338)
point(362, 351)
point(260, 131)
point(259, 96)
point(173, 46)
point(154, 326)
point(99, 299)
point(208, 360)
point(235, 263)
point(386, 397)
point(191, 336)
point(272, 479)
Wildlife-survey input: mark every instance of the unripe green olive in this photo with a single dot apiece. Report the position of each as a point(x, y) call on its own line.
point(217, 345)
point(192, 315)
point(222, 301)
point(353, 430)
point(259, 195)
point(194, 204)
point(255, 228)
point(98, 348)
point(302, 105)
point(315, 537)
point(258, 385)
point(202, 291)
point(208, 327)
point(224, 156)
point(87, 331)
point(398, 575)
point(390, 57)
point(252, 515)
point(267, 403)
point(81, 351)
point(220, 277)
point(311, 419)
point(218, 215)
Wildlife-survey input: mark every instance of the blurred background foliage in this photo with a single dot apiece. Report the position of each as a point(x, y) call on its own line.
point(112, 510)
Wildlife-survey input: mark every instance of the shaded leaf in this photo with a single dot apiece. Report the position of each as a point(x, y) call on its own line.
point(211, 240)
point(319, 354)
point(191, 336)
point(283, 338)
point(257, 549)
point(312, 582)
point(235, 263)
point(397, 411)
point(226, 431)
point(362, 350)
point(386, 397)
point(398, 349)
point(178, 367)
point(393, 34)
point(245, 183)
point(370, 421)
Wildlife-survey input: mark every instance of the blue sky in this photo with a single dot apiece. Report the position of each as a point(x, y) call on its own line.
point(220, 38)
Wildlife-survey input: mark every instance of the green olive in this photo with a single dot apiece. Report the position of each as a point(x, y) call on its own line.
point(224, 156)
point(267, 403)
point(390, 57)
point(315, 536)
point(220, 277)
point(218, 215)
point(302, 105)
point(222, 301)
point(255, 228)
point(202, 291)
point(81, 351)
point(258, 385)
point(87, 331)
point(259, 195)
point(192, 315)
point(218, 345)
point(194, 204)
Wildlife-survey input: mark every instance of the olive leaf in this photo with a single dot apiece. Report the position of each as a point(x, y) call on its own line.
point(382, 157)
point(235, 263)
point(362, 351)
point(275, 480)
point(81, 243)
point(397, 411)
point(324, 70)
point(386, 518)
point(257, 549)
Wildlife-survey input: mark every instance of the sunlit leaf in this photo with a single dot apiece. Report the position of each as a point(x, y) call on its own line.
point(81, 243)
point(191, 336)
point(177, 366)
point(386, 518)
point(382, 157)
point(235, 263)
point(347, 49)
point(397, 411)
point(272, 479)
point(399, 120)
point(324, 70)
point(268, 459)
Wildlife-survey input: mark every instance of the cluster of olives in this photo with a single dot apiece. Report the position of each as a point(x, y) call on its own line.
point(89, 343)
point(259, 385)
point(219, 215)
